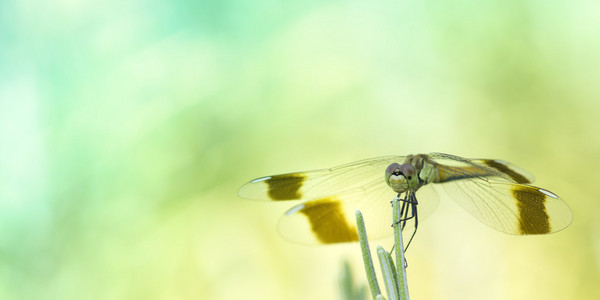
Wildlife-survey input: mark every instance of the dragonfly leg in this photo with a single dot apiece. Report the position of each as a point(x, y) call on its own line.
point(403, 213)
point(408, 211)
point(409, 200)
point(413, 206)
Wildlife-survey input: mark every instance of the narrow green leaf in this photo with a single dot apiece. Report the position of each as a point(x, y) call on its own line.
point(388, 273)
point(399, 247)
point(366, 254)
point(350, 290)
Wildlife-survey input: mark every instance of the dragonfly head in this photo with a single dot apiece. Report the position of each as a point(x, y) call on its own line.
point(400, 177)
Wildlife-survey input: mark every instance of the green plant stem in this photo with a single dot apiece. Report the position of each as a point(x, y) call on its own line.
point(366, 254)
point(389, 273)
point(399, 246)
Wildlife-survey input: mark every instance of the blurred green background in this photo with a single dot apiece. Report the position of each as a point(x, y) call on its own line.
point(126, 128)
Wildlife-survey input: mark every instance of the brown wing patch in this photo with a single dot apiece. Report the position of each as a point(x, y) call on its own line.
point(533, 217)
point(285, 187)
point(506, 170)
point(328, 222)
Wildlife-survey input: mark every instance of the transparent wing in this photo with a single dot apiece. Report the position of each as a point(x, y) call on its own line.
point(510, 207)
point(319, 183)
point(451, 167)
point(497, 194)
point(331, 219)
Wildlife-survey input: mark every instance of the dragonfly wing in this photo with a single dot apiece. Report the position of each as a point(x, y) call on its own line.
point(428, 201)
point(331, 219)
point(451, 167)
point(512, 208)
point(318, 183)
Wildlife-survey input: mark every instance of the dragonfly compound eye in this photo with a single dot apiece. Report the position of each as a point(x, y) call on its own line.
point(407, 170)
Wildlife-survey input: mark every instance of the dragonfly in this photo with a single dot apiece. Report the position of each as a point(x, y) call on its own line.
point(495, 192)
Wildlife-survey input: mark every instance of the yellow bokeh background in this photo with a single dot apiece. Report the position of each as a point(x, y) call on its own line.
point(126, 128)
